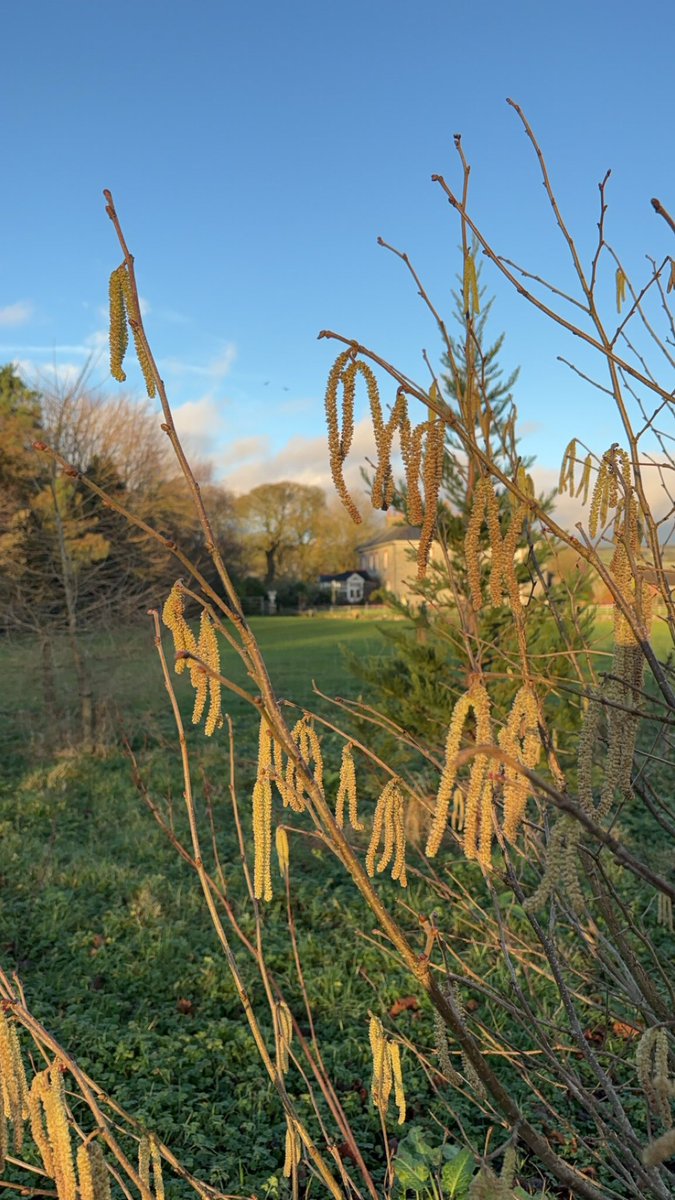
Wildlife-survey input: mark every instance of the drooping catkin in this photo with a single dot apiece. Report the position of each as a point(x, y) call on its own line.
point(519, 739)
point(585, 481)
point(309, 747)
point(660, 1150)
point(566, 480)
point(382, 492)
point(475, 699)
point(433, 475)
point(283, 1034)
point(471, 293)
point(399, 1091)
point(386, 1071)
point(207, 649)
point(458, 811)
point(144, 1161)
point(347, 790)
point(173, 616)
point(157, 1175)
point(119, 337)
point(37, 1122)
point(293, 1149)
point(651, 1063)
point(99, 1172)
point(339, 441)
point(133, 316)
point(484, 507)
point(84, 1173)
point(283, 851)
point(262, 817)
point(389, 827)
point(620, 289)
point(560, 867)
point(12, 1079)
point(664, 911)
point(52, 1095)
point(614, 466)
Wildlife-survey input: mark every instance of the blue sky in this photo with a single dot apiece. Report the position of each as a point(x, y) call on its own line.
point(256, 150)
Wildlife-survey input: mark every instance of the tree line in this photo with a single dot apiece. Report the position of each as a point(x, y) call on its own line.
point(70, 561)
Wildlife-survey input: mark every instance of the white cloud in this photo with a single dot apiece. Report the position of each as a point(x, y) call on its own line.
point(63, 374)
point(302, 459)
point(216, 369)
point(199, 424)
point(16, 314)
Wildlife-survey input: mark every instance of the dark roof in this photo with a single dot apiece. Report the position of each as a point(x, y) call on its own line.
point(344, 576)
point(393, 533)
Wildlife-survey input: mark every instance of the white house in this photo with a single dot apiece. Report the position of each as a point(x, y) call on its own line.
point(348, 587)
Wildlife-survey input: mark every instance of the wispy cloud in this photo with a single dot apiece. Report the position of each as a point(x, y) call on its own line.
point(61, 374)
point(16, 314)
point(215, 369)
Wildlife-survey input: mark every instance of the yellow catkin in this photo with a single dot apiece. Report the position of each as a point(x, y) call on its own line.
point(433, 477)
point(388, 827)
point(12, 1079)
point(157, 1175)
point(620, 289)
point(173, 616)
point(478, 800)
point(136, 326)
point(262, 817)
point(521, 741)
point(144, 1161)
point(399, 1092)
point(651, 1062)
point(293, 1149)
point(485, 506)
point(599, 498)
point(84, 1173)
point(472, 545)
point(283, 1032)
point(471, 293)
point(660, 1150)
point(309, 747)
point(119, 337)
point(457, 812)
point(283, 851)
point(99, 1172)
point(411, 449)
point(339, 441)
point(207, 649)
point(4, 1138)
point(566, 480)
point(664, 911)
point(382, 1079)
point(58, 1132)
point(383, 481)
point(585, 481)
point(37, 1122)
point(347, 790)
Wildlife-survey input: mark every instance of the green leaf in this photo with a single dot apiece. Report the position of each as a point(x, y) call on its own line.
point(457, 1174)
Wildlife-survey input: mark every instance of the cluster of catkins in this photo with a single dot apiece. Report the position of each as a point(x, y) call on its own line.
point(83, 1176)
point(422, 448)
point(293, 779)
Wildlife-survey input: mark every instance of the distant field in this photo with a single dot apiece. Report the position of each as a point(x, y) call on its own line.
point(128, 681)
